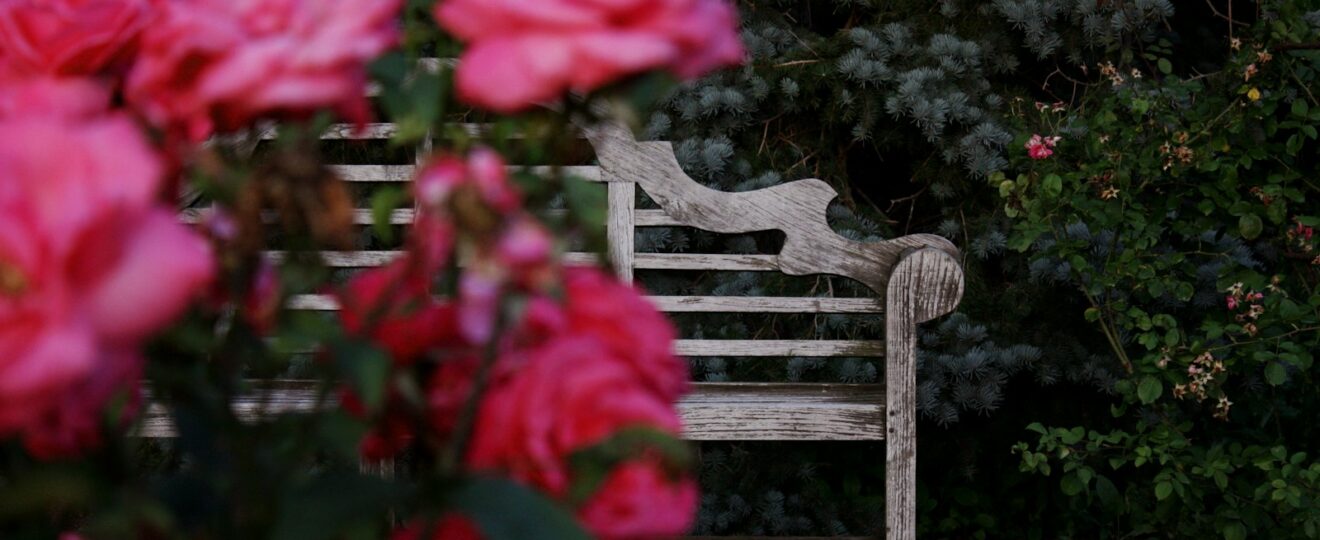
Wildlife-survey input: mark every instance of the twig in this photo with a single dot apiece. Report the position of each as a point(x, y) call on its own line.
point(1296, 46)
point(1228, 17)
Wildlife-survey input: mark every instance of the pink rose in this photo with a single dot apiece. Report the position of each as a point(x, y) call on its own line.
point(66, 98)
point(523, 53)
point(564, 396)
point(90, 266)
point(639, 499)
point(482, 171)
point(209, 65)
point(68, 37)
point(1040, 147)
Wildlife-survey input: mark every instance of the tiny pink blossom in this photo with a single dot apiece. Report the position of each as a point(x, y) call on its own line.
point(1304, 231)
point(1040, 147)
point(1231, 301)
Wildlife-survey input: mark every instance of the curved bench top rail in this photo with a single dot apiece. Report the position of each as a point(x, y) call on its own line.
point(798, 209)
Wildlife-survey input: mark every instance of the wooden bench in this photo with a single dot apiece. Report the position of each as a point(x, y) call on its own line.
point(914, 279)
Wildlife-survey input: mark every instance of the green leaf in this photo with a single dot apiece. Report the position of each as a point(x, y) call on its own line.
point(586, 200)
point(1165, 66)
point(383, 204)
point(1250, 226)
point(1149, 389)
point(1275, 373)
point(328, 505)
point(1106, 491)
point(1300, 108)
point(1163, 490)
point(1071, 485)
point(1052, 185)
point(366, 368)
point(1235, 531)
point(504, 510)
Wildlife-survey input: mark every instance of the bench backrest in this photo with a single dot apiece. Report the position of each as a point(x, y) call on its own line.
point(914, 278)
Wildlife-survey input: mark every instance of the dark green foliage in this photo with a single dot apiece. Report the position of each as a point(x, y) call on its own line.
point(1083, 308)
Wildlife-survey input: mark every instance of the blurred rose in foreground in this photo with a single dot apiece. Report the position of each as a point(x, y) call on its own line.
point(90, 266)
point(523, 53)
point(217, 65)
point(68, 37)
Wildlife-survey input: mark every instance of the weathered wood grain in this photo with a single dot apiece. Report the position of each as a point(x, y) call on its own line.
point(783, 412)
point(404, 173)
point(367, 259)
point(656, 218)
point(361, 216)
point(619, 228)
point(778, 347)
point(705, 261)
point(796, 208)
point(712, 412)
point(641, 261)
point(926, 283)
point(765, 304)
point(676, 304)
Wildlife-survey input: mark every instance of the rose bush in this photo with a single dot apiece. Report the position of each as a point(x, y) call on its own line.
point(515, 383)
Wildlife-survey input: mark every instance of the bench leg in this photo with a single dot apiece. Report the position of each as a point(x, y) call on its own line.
point(925, 284)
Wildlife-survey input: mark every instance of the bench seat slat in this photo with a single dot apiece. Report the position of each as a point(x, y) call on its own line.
point(712, 412)
point(778, 347)
point(404, 173)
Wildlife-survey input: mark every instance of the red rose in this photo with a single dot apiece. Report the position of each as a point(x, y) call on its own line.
point(523, 53)
point(450, 527)
point(392, 305)
point(599, 305)
point(640, 500)
point(566, 395)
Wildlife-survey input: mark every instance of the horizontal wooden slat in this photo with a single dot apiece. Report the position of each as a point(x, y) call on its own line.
point(705, 261)
point(375, 173)
point(384, 131)
point(668, 304)
point(346, 259)
point(712, 412)
point(783, 412)
point(360, 216)
point(778, 347)
point(346, 132)
point(365, 259)
point(404, 173)
point(650, 261)
point(765, 304)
